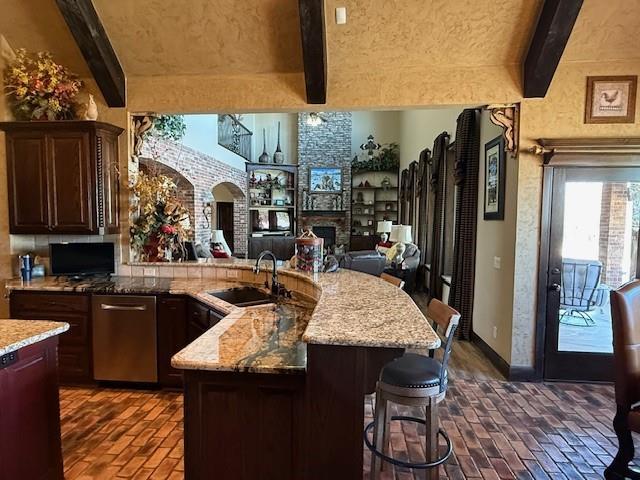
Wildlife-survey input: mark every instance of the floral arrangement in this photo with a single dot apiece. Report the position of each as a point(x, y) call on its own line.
point(387, 159)
point(160, 222)
point(39, 88)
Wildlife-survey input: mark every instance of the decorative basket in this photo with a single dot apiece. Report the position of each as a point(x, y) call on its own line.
point(309, 252)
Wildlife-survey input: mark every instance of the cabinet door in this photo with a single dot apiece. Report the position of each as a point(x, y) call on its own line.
point(283, 248)
point(28, 194)
point(107, 151)
point(198, 320)
point(30, 415)
point(72, 183)
point(259, 244)
point(75, 349)
point(172, 337)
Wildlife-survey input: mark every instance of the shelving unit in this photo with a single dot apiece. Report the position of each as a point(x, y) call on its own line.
point(272, 195)
point(372, 202)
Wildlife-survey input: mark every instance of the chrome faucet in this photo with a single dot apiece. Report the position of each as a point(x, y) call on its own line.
point(276, 288)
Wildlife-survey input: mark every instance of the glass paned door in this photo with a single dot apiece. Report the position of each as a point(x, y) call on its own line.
point(595, 221)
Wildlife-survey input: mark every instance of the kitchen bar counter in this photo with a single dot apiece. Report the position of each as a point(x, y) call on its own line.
point(17, 334)
point(345, 308)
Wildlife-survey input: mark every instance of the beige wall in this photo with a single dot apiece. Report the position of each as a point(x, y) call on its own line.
point(288, 135)
point(419, 128)
point(559, 115)
point(384, 126)
point(493, 294)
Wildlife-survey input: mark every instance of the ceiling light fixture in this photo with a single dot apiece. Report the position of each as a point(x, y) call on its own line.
point(314, 119)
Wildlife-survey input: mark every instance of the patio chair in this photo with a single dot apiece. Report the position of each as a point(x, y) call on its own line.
point(580, 280)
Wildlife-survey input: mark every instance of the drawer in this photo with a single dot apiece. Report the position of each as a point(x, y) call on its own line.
point(23, 303)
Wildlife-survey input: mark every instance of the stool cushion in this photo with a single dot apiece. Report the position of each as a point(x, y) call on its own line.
point(413, 371)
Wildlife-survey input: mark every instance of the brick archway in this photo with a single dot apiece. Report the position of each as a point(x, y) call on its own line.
point(231, 192)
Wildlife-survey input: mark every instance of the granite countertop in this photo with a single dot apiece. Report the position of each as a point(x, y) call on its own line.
point(262, 339)
point(353, 309)
point(17, 334)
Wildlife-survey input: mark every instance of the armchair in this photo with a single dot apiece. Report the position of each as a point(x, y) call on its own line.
point(625, 309)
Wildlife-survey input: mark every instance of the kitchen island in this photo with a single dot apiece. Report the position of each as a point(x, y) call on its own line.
point(30, 444)
point(277, 390)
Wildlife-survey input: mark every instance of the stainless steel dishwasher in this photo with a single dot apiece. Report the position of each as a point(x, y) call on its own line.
point(124, 338)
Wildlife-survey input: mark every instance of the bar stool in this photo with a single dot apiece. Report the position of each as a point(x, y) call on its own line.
point(416, 381)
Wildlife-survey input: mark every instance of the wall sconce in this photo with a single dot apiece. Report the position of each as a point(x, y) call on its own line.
point(207, 207)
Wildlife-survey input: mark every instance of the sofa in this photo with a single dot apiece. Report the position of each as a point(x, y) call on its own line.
point(366, 261)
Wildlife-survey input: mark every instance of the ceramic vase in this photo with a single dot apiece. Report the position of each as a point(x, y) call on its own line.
point(264, 156)
point(278, 156)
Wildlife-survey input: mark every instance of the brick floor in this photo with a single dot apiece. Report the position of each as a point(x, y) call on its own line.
point(500, 430)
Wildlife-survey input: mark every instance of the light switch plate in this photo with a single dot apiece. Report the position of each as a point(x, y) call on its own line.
point(341, 15)
point(232, 273)
point(497, 263)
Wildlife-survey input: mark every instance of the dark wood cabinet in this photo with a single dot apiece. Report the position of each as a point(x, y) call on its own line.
point(75, 349)
point(30, 415)
point(172, 337)
point(200, 318)
point(282, 247)
point(63, 177)
point(243, 426)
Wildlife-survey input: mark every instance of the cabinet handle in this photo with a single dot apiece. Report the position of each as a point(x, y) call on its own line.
point(138, 308)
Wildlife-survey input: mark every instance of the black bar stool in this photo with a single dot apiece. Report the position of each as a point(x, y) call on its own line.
point(416, 381)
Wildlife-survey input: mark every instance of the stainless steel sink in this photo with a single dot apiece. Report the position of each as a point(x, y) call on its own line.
point(244, 296)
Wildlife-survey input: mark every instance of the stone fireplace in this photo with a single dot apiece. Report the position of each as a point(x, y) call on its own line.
point(325, 145)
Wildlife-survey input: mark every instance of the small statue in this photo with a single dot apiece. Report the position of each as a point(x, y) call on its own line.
point(91, 112)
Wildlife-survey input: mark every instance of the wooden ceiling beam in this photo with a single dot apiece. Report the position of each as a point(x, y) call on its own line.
point(555, 24)
point(314, 50)
point(86, 28)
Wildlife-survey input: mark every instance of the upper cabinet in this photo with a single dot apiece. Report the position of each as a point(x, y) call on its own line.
point(63, 177)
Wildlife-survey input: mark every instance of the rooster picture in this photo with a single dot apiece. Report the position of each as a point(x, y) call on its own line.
point(611, 100)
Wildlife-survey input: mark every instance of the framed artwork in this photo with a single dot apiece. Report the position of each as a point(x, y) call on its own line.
point(611, 99)
point(325, 180)
point(494, 179)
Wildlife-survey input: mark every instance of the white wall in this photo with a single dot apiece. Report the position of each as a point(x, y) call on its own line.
point(419, 128)
point(202, 135)
point(493, 295)
point(384, 126)
point(288, 135)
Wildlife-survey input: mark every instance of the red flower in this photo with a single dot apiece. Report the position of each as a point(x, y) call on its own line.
point(168, 229)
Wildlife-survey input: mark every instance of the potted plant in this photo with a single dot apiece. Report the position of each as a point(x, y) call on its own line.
point(160, 223)
point(39, 88)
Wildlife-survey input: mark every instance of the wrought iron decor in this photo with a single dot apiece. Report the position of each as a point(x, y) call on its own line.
point(234, 136)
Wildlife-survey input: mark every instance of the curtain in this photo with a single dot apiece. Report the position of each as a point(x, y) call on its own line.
point(467, 164)
point(404, 181)
point(437, 182)
point(423, 193)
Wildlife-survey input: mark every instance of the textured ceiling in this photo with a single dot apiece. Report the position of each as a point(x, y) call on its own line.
point(222, 37)
point(605, 30)
point(231, 37)
point(396, 33)
point(38, 25)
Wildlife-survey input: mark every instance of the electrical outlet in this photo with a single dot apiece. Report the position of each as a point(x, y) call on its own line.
point(497, 263)
point(495, 332)
point(232, 273)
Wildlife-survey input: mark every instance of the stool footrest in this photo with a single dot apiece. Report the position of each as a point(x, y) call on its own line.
point(401, 463)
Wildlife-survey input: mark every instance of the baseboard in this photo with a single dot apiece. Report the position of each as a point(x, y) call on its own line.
point(497, 361)
point(523, 374)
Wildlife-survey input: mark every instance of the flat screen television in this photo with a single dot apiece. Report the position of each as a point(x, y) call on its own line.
point(81, 259)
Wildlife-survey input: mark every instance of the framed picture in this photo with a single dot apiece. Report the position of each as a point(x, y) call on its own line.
point(611, 99)
point(494, 179)
point(325, 180)
point(279, 202)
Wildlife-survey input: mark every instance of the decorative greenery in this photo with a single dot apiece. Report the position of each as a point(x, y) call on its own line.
point(40, 89)
point(161, 223)
point(387, 159)
point(169, 127)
